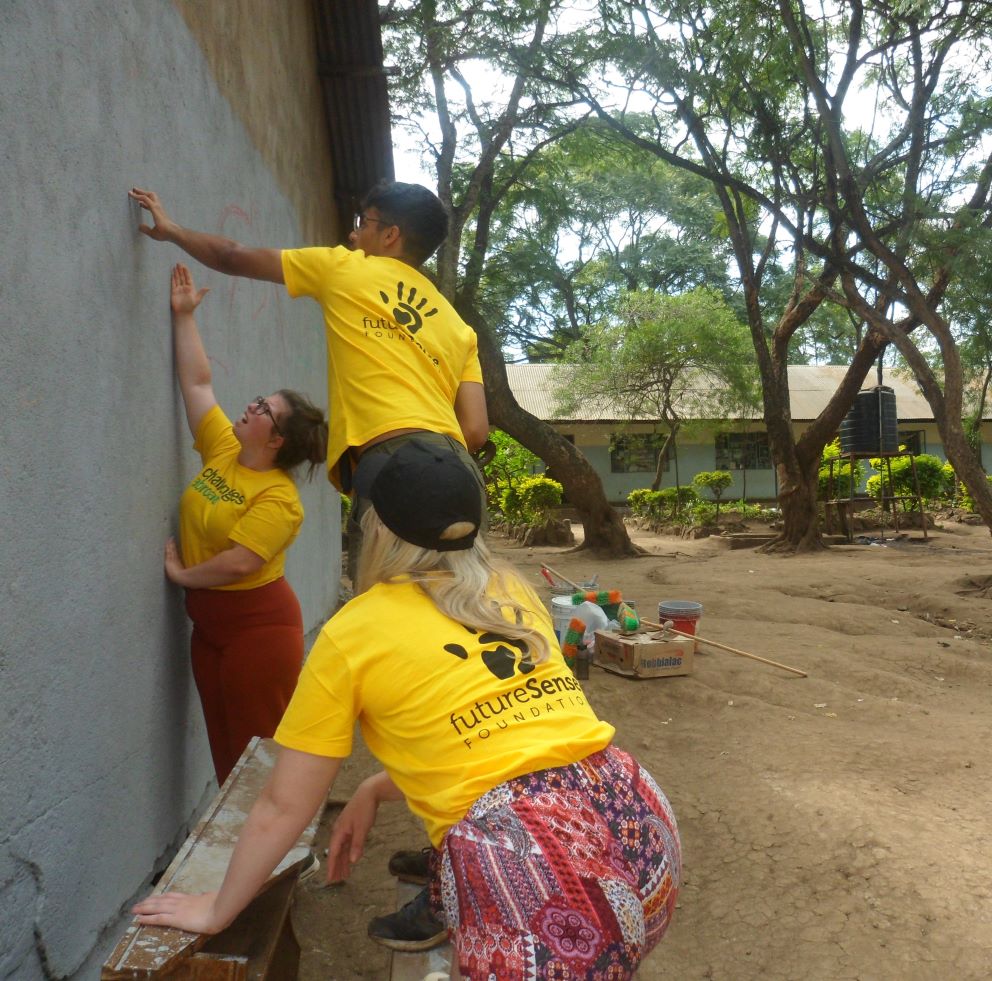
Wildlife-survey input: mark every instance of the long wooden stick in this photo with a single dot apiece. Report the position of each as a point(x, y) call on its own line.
point(724, 647)
point(567, 582)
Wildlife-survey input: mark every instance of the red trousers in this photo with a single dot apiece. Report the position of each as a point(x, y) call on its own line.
point(247, 652)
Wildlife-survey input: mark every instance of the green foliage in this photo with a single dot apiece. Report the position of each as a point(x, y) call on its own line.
point(670, 503)
point(633, 221)
point(537, 496)
point(679, 498)
point(950, 479)
point(510, 465)
point(345, 508)
point(841, 473)
point(661, 504)
point(643, 502)
point(705, 513)
point(714, 481)
point(929, 472)
point(510, 505)
point(531, 500)
point(749, 512)
point(966, 500)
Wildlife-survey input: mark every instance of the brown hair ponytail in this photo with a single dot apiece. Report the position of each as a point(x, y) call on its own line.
point(304, 432)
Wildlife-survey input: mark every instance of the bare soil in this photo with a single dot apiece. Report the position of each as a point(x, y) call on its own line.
point(834, 826)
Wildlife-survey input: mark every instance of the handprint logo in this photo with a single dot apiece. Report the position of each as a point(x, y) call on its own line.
point(407, 311)
point(499, 659)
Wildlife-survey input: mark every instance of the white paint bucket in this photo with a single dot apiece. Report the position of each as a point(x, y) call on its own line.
point(562, 613)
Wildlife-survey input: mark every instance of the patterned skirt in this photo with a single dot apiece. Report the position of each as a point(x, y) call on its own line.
point(567, 873)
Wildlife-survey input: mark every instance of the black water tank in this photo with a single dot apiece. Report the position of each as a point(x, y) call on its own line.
point(860, 431)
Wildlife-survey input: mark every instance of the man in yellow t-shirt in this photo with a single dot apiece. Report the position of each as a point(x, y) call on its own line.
point(400, 360)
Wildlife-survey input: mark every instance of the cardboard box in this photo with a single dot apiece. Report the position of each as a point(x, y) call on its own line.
point(641, 655)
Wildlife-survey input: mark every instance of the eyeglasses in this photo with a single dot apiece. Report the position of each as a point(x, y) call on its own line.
point(262, 406)
point(360, 221)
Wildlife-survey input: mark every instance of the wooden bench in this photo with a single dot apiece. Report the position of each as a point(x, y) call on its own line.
point(260, 944)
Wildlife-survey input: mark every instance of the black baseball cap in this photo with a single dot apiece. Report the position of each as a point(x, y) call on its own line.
point(418, 491)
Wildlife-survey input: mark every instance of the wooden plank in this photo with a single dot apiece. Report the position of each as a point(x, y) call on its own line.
point(214, 968)
point(421, 964)
point(262, 937)
point(199, 866)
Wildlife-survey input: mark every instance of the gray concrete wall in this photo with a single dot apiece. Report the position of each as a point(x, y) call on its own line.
point(103, 760)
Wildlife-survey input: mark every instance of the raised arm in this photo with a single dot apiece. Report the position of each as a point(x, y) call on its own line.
point(297, 787)
point(223, 254)
point(192, 365)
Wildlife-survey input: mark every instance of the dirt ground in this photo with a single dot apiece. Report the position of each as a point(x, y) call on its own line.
point(834, 826)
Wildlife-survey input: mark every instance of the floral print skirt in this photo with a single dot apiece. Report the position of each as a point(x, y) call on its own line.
point(566, 873)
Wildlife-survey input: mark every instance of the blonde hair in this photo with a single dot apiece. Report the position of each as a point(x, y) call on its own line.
point(469, 586)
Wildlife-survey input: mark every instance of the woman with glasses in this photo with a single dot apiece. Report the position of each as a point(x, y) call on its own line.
point(237, 519)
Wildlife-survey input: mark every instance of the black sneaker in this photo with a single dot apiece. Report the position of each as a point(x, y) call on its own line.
point(411, 866)
point(414, 927)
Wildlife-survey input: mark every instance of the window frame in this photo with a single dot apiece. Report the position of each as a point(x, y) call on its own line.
point(742, 450)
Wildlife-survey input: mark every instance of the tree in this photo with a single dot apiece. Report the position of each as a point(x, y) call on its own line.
point(716, 482)
point(591, 219)
point(485, 144)
point(665, 358)
point(969, 313)
point(753, 97)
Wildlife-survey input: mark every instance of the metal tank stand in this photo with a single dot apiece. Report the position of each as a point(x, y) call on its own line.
point(845, 505)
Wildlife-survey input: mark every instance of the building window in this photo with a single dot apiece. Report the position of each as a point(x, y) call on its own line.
point(915, 441)
point(636, 453)
point(743, 451)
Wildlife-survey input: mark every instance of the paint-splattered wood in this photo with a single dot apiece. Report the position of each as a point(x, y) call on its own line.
point(424, 964)
point(199, 866)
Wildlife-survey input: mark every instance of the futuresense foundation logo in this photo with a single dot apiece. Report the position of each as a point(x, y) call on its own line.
point(408, 312)
point(408, 316)
point(531, 699)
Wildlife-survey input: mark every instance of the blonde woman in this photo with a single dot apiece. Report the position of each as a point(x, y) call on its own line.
point(559, 854)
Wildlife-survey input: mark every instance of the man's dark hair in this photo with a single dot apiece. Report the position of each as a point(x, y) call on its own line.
point(416, 211)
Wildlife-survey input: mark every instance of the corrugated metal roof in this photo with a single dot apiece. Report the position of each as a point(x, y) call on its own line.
point(810, 387)
point(356, 99)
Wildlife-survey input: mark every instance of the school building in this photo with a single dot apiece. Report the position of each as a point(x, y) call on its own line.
point(624, 452)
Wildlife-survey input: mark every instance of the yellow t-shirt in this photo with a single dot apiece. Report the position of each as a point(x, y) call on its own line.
point(228, 504)
point(448, 712)
point(396, 349)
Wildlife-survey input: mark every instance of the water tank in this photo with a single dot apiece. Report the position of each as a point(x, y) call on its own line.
point(860, 431)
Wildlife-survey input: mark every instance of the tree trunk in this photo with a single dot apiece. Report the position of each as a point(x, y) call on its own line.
point(797, 462)
point(797, 494)
point(967, 468)
point(605, 532)
point(659, 469)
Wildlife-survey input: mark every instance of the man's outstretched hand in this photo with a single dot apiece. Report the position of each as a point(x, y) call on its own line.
point(162, 228)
